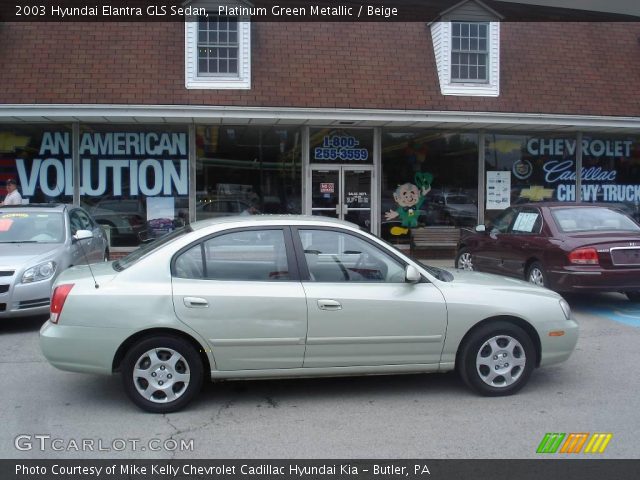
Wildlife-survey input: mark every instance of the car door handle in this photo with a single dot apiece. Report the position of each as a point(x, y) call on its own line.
point(329, 305)
point(195, 302)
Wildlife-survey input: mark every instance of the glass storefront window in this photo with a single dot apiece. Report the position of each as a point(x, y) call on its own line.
point(611, 171)
point(428, 178)
point(528, 168)
point(533, 168)
point(39, 159)
point(245, 170)
point(135, 179)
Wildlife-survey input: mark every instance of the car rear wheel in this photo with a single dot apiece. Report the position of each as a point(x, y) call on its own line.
point(497, 359)
point(162, 374)
point(537, 275)
point(464, 260)
point(633, 296)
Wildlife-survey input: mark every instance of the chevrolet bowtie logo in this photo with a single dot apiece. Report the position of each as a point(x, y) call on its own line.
point(573, 443)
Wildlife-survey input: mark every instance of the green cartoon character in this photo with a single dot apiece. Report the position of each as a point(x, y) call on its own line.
point(410, 199)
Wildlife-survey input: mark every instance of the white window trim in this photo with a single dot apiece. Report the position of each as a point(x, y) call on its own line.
point(239, 81)
point(441, 36)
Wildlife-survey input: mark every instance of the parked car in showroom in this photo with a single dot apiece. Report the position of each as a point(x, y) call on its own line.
point(567, 247)
point(124, 218)
point(458, 208)
point(293, 296)
point(37, 242)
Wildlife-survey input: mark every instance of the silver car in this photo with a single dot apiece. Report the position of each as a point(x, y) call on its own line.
point(293, 296)
point(36, 244)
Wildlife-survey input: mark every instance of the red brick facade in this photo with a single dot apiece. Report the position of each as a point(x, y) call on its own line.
point(554, 68)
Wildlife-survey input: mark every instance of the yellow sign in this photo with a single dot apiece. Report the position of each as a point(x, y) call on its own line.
point(536, 193)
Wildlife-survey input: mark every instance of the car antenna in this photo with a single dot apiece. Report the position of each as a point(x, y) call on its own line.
point(95, 283)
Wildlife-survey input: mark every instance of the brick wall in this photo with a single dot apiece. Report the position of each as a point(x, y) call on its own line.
point(564, 68)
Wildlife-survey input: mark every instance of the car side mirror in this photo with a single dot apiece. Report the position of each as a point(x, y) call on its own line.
point(412, 275)
point(481, 228)
point(82, 235)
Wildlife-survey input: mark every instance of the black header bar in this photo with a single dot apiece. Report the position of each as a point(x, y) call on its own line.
point(332, 469)
point(291, 11)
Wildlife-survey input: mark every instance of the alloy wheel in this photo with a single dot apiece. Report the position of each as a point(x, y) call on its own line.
point(465, 262)
point(536, 276)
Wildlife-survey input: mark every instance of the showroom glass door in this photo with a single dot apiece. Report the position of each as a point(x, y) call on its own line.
point(342, 192)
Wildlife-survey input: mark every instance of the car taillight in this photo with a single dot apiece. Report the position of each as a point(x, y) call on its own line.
point(57, 300)
point(584, 256)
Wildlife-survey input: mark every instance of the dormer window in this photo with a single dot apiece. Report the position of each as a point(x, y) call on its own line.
point(217, 51)
point(466, 45)
point(218, 46)
point(469, 52)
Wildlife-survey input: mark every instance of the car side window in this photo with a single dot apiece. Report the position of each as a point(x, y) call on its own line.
point(333, 256)
point(502, 222)
point(75, 221)
point(527, 222)
point(247, 255)
point(79, 221)
point(189, 264)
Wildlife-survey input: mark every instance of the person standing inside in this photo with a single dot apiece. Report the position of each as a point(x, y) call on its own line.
point(13, 196)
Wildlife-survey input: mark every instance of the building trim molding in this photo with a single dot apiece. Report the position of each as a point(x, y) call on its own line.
point(171, 114)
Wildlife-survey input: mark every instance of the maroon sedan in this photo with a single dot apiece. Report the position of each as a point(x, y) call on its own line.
point(567, 247)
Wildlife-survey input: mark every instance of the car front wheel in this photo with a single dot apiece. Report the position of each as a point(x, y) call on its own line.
point(162, 374)
point(464, 260)
point(497, 359)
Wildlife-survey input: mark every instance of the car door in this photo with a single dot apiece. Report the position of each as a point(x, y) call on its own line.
point(521, 241)
point(487, 256)
point(240, 290)
point(361, 311)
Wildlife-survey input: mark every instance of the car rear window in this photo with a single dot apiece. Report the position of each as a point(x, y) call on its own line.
point(592, 219)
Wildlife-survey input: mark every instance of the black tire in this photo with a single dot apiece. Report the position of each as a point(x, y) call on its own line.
point(633, 296)
point(510, 377)
point(537, 275)
point(189, 363)
point(464, 259)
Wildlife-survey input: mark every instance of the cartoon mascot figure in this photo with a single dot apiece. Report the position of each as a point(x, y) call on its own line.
point(410, 199)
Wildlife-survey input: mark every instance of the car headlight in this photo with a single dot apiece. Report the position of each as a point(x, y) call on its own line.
point(42, 271)
point(566, 309)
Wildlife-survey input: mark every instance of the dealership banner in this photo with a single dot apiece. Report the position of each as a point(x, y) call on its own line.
point(343, 469)
point(123, 163)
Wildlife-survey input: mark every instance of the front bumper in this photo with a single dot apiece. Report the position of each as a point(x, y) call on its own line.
point(81, 349)
point(554, 348)
point(595, 279)
point(24, 299)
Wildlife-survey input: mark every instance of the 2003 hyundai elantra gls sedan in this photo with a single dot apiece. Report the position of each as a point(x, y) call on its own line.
point(292, 296)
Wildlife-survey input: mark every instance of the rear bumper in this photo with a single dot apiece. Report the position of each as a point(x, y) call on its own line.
point(596, 279)
point(81, 349)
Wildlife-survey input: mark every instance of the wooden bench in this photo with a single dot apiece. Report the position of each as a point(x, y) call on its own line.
point(435, 237)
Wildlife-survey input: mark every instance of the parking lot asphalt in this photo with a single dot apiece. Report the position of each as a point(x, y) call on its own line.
point(46, 413)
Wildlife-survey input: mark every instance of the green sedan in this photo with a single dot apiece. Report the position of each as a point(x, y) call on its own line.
point(294, 296)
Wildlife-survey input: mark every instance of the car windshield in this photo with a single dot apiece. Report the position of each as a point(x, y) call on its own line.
point(589, 219)
point(147, 248)
point(23, 226)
